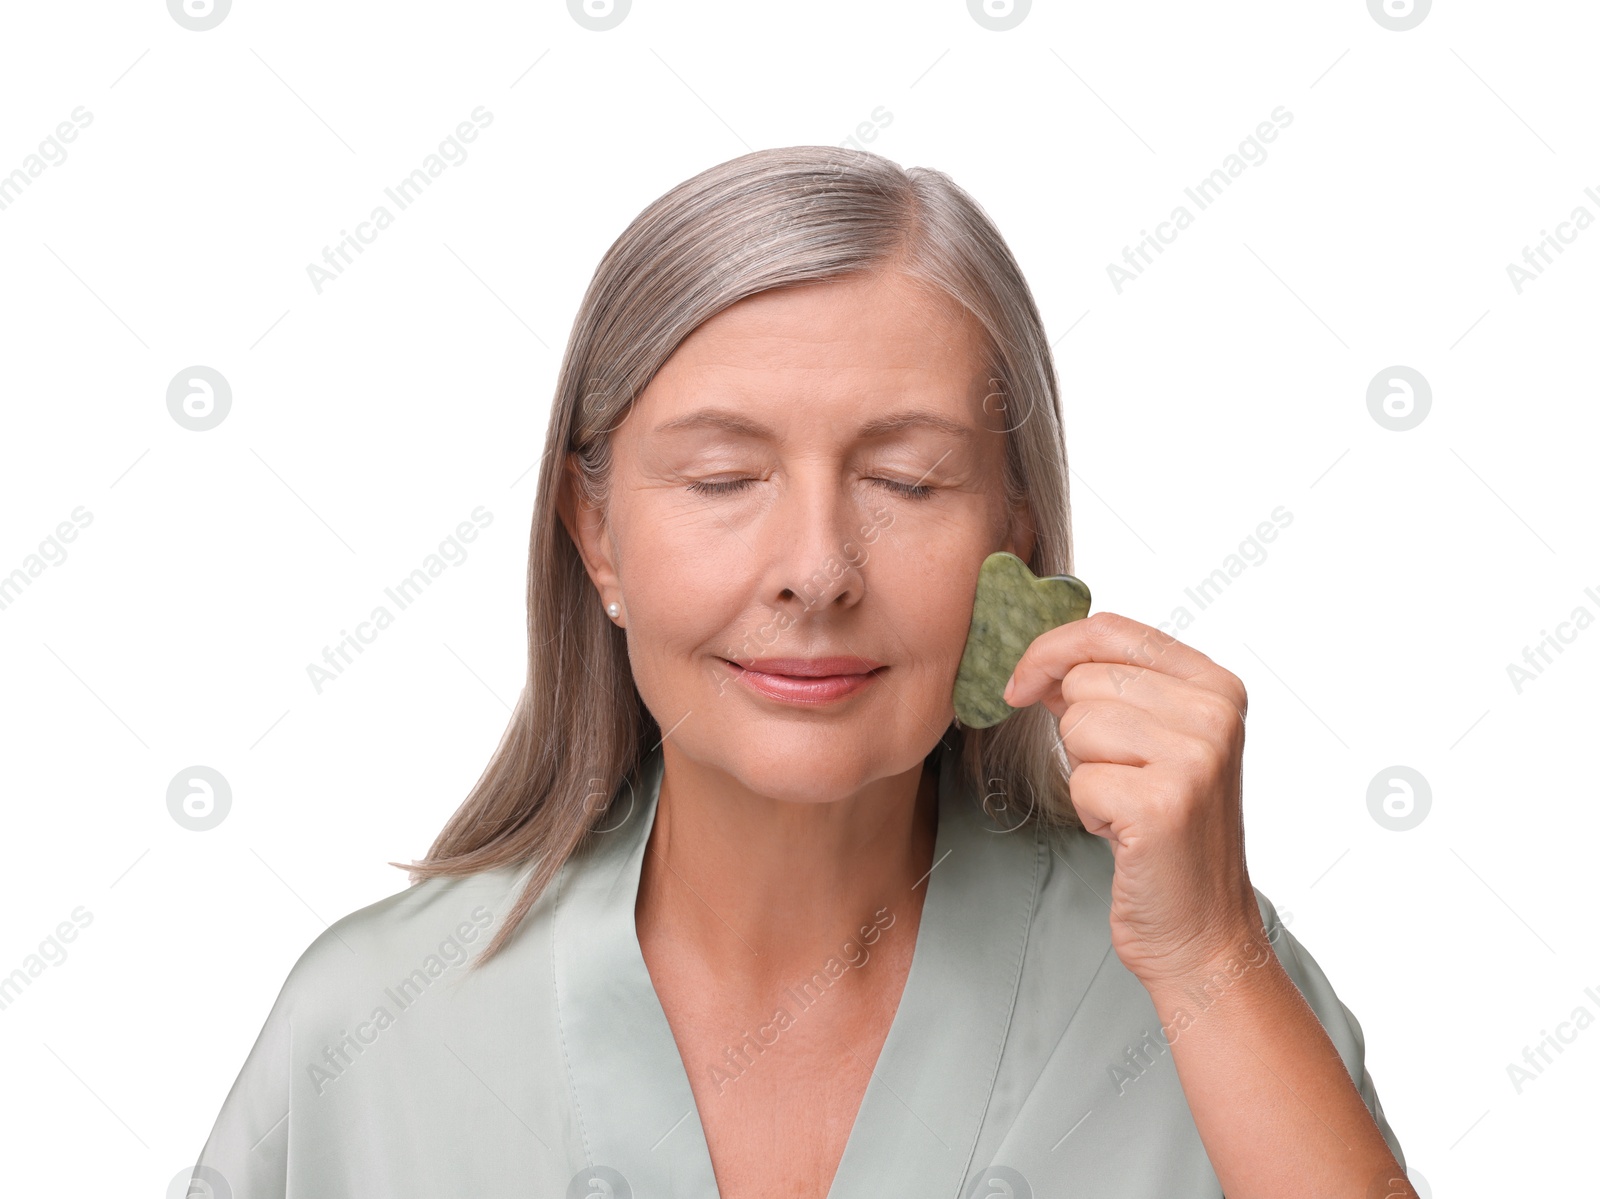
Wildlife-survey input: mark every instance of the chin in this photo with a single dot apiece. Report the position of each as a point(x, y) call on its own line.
point(819, 764)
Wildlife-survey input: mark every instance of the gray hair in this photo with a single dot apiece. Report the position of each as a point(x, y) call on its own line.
point(768, 219)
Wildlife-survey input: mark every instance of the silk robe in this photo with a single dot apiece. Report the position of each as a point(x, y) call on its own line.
point(1023, 1055)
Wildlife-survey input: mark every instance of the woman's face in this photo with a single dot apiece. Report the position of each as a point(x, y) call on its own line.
point(814, 474)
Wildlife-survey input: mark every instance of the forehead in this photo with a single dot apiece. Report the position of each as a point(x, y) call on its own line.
point(863, 341)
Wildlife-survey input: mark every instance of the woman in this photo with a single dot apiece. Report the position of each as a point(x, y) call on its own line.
point(737, 908)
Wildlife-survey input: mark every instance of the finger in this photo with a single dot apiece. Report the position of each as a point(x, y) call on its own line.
point(1095, 788)
point(1179, 706)
point(1112, 638)
point(1148, 689)
point(1111, 731)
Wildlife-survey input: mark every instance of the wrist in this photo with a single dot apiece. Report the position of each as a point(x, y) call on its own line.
point(1199, 977)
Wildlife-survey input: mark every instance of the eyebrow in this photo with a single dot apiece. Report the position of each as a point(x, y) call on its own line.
point(879, 426)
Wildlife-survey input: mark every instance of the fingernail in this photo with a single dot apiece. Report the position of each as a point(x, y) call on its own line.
point(1011, 684)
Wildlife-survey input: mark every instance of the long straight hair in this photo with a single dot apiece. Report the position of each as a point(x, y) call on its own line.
point(769, 219)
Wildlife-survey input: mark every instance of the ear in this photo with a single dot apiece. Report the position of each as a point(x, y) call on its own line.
point(586, 525)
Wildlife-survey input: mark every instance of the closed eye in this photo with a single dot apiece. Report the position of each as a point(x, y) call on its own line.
point(916, 491)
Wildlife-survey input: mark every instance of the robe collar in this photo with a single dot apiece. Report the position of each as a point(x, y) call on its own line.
point(924, 1106)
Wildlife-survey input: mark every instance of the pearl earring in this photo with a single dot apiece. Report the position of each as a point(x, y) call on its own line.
point(613, 609)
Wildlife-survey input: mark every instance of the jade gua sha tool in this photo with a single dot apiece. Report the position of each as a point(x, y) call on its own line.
point(1012, 607)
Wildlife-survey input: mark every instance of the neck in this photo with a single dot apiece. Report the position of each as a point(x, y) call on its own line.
point(757, 892)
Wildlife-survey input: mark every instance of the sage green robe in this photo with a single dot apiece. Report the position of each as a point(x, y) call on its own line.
point(1023, 1055)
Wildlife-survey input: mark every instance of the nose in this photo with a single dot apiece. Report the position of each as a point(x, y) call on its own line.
point(816, 547)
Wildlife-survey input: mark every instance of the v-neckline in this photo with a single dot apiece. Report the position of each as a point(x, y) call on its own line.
point(919, 1119)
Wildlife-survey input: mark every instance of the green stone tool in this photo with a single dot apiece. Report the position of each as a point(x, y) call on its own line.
point(1011, 608)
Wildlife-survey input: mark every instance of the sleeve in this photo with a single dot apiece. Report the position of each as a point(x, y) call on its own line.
point(1338, 1021)
point(247, 1154)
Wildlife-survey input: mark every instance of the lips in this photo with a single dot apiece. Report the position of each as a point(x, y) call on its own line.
point(812, 668)
point(807, 681)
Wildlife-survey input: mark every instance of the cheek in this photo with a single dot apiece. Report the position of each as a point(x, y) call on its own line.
point(947, 624)
point(685, 590)
point(927, 600)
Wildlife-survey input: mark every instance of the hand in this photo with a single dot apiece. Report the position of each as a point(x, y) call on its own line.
point(1154, 737)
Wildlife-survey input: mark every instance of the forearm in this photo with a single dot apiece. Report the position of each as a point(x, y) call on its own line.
point(1274, 1104)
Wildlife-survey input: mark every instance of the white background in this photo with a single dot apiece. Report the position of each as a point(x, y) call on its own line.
point(368, 420)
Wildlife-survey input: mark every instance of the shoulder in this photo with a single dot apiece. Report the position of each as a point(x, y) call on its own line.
point(433, 923)
point(405, 939)
point(1075, 901)
point(1079, 871)
point(1079, 875)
